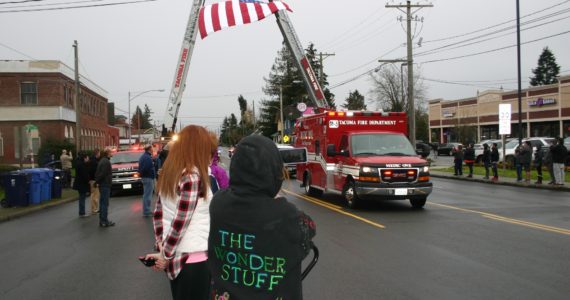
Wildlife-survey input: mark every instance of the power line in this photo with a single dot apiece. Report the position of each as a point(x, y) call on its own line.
point(432, 51)
point(495, 50)
point(15, 50)
point(74, 7)
point(18, 2)
point(53, 4)
point(496, 25)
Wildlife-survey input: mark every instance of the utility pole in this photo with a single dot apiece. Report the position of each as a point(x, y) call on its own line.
point(77, 102)
point(410, 62)
point(519, 72)
point(322, 56)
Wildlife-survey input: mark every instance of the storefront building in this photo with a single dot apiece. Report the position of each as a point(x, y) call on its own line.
point(545, 113)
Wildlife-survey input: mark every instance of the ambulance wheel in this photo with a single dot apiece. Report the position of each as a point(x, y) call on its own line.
point(310, 190)
point(350, 196)
point(418, 203)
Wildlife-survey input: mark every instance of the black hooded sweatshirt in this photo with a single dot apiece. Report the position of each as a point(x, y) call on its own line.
point(257, 240)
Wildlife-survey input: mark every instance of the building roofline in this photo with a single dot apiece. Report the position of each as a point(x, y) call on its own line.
point(49, 66)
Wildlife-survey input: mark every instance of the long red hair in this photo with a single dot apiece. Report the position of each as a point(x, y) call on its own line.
point(193, 149)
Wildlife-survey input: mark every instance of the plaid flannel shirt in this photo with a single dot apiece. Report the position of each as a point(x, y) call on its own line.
point(188, 194)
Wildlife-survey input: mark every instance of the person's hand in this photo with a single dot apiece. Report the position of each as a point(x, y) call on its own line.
point(160, 262)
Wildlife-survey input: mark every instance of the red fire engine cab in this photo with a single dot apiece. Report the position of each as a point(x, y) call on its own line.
point(363, 155)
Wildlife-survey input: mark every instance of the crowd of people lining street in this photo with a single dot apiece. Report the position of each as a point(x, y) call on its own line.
point(204, 219)
point(552, 158)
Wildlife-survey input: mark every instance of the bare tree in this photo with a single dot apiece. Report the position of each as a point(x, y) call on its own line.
point(389, 90)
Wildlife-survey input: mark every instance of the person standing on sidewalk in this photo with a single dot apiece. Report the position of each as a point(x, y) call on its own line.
point(147, 172)
point(547, 161)
point(486, 160)
point(66, 166)
point(93, 161)
point(470, 159)
point(538, 164)
point(81, 182)
point(103, 178)
point(495, 161)
point(525, 158)
point(559, 153)
point(458, 160)
point(435, 147)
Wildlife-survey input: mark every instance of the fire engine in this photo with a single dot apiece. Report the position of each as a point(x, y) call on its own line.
point(363, 155)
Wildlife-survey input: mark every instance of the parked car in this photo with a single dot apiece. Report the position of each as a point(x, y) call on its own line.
point(423, 149)
point(56, 164)
point(447, 149)
point(512, 145)
point(479, 149)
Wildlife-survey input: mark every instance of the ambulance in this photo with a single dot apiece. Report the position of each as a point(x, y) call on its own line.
point(363, 155)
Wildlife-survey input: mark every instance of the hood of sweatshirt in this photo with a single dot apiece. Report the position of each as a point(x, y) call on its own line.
point(256, 167)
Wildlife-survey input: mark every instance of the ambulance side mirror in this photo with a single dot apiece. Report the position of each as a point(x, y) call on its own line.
point(331, 150)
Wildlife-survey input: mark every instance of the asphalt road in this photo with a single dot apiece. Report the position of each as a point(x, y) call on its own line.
point(472, 241)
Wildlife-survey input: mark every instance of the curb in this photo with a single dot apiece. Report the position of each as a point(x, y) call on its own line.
point(32, 209)
point(564, 188)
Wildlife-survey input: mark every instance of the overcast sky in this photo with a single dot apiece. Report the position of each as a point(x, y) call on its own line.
point(135, 47)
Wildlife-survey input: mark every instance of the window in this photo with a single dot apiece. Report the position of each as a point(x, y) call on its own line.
point(29, 93)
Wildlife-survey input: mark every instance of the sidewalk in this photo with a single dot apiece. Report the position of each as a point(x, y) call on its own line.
point(6, 214)
point(502, 181)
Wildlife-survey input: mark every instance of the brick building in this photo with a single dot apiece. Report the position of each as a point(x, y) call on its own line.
point(545, 112)
point(37, 104)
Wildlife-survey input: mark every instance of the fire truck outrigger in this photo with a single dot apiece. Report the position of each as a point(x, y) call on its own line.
point(363, 155)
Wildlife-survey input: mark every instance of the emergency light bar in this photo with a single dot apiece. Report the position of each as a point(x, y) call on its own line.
point(364, 113)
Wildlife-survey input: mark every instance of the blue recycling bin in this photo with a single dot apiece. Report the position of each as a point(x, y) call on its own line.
point(48, 180)
point(56, 183)
point(16, 188)
point(45, 183)
point(35, 187)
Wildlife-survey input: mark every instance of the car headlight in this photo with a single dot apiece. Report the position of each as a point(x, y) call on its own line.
point(425, 169)
point(369, 170)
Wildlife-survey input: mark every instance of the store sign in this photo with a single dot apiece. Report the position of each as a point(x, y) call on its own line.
point(504, 119)
point(541, 101)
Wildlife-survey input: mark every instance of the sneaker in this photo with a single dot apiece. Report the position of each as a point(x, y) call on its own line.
point(552, 182)
point(107, 224)
point(83, 215)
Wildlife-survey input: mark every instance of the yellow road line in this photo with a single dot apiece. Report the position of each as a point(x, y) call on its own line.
point(334, 208)
point(508, 220)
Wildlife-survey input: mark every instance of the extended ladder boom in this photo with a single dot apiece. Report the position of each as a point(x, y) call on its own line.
point(179, 82)
point(309, 78)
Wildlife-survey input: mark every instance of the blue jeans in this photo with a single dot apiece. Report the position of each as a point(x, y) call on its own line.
point(458, 166)
point(82, 196)
point(148, 186)
point(519, 171)
point(104, 195)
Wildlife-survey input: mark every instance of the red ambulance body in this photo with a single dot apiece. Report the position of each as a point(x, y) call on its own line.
point(363, 155)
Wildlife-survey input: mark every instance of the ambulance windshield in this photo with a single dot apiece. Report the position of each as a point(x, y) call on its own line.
point(381, 144)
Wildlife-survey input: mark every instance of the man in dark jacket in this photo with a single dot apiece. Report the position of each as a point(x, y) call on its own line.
point(469, 158)
point(257, 239)
point(103, 180)
point(147, 172)
point(81, 182)
point(559, 153)
point(495, 161)
point(458, 160)
point(525, 158)
point(486, 160)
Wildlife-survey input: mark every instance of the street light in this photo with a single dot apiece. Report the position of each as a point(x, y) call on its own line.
point(282, 132)
point(133, 98)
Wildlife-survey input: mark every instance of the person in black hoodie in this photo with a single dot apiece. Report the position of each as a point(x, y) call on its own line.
point(257, 239)
point(81, 182)
point(486, 160)
point(494, 161)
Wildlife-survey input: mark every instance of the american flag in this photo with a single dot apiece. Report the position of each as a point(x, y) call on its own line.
point(217, 16)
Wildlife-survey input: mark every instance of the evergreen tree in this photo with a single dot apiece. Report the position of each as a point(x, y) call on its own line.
point(141, 120)
point(147, 118)
point(285, 82)
point(547, 70)
point(355, 101)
